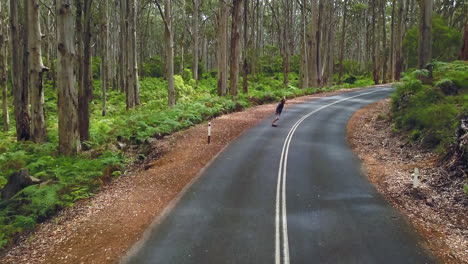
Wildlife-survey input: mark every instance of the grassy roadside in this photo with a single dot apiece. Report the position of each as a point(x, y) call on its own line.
point(117, 140)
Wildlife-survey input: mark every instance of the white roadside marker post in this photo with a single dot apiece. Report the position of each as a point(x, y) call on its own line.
point(209, 132)
point(416, 179)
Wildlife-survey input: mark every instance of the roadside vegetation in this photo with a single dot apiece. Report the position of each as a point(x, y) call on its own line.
point(431, 108)
point(120, 138)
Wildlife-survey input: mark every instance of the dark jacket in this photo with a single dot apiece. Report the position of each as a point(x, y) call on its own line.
point(279, 108)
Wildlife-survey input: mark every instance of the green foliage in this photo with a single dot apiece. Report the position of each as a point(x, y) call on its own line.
point(153, 67)
point(69, 179)
point(425, 112)
point(446, 42)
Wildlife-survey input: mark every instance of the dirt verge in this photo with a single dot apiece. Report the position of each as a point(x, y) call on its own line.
point(438, 208)
point(101, 229)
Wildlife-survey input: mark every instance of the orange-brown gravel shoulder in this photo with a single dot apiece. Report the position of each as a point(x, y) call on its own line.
point(440, 214)
point(101, 229)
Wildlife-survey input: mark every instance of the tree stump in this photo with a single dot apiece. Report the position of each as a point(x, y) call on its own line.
point(16, 182)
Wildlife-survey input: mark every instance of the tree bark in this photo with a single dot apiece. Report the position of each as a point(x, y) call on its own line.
point(169, 39)
point(304, 82)
point(392, 43)
point(375, 44)
point(343, 36)
point(222, 48)
point(425, 31)
point(133, 97)
point(104, 53)
point(235, 48)
point(313, 45)
point(20, 91)
point(196, 18)
point(245, 66)
point(464, 49)
point(123, 47)
point(69, 137)
point(399, 40)
point(384, 42)
point(85, 92)
point(3, 67)
point(36, 70)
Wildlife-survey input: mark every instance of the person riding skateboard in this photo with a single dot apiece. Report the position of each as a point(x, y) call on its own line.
point(279, 109)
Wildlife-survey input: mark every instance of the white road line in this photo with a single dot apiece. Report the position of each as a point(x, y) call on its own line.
point(281, 215)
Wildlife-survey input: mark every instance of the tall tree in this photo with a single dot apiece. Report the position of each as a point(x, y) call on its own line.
point(464, 49)
point(104, 53)
point(3, 67)
point(36, 71)
point(343, 36)
point(196, 20)
point(222, 48)
point(245, 65)
point(123, 61)
point(313, 45)
point(425, 31)
point(375, 44)
point(20, 91)
point(304, 81)
point(392, 43)
point(85, 92)
point(169, 47)
point(383, 4)
point(399, 35)
point(69, 137)
point(235, 48)
point(133, 93)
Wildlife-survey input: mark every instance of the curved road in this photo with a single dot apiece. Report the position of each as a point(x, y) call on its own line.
point(290, 194)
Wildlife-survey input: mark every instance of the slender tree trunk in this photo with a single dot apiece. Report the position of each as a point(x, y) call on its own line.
point(196, 19)
point(343, 36)
point(399, 40)
point(375, 44)
point(464, 49)
point(3, 67)
point(245, 66)
point(384, 43)
point(69, 137)
point(313, 45)
point(104, 53)
point(304, 82)
point(85, 93)
point(133, 87)
point(79, 44)
point(425, 31)
point(235, 48)
point(36, 70)
point(169, 43)
point(123, 47)
point(285, 41)
point(20, 91)
point(222, 48)
point(392, 43)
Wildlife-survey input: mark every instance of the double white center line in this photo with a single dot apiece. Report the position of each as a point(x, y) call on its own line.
point(281, 221)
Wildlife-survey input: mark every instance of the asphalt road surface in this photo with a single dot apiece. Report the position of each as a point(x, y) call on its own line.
point(288, 194)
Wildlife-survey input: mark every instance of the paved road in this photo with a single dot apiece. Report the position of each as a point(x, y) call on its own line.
point(291, 194)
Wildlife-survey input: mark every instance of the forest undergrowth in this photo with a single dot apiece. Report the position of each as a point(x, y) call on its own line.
point(119, 139)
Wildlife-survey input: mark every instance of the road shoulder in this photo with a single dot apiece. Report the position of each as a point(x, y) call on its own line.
point(437, 209)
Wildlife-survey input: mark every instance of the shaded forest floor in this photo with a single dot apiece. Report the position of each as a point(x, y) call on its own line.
point(438, 207)
point(102, 228)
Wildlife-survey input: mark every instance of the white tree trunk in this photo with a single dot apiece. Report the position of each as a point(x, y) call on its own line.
point(69, 138)
point(36, 70)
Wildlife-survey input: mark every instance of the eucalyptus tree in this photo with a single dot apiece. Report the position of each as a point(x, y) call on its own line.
point(36, 71)
point(69, 136)
point(4, 65)
point(20, 90)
